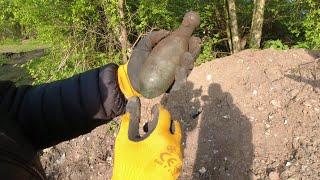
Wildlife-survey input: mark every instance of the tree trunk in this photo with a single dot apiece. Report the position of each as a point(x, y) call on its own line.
point(228, 27)
point(123, 32)
point(233, 25)
point(257, 23)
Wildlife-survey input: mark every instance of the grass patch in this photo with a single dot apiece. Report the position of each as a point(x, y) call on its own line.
point(112, 127)
point(17, 46)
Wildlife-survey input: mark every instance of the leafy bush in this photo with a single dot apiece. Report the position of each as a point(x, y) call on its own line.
point(311, 25)
point(9, 24)
point(275, 44)
point(206, 54)
point(207, 49)
point(84, 34)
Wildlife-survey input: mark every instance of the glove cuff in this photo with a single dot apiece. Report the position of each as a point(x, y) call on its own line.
point(124, 82)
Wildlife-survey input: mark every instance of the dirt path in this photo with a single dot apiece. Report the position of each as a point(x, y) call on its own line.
point(252, 115)
point(11, 65)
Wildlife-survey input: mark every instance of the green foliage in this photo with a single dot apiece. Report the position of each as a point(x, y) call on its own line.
point(304, 45)
point(295, 22)
point(311, 24)
point(84, 34)
point(145, 15)
point(81, 34)
point(9, 24)
point(47, 68)
point(112, 127)
point(206, 54)
point(275, 44)
point(168, 14)
point(207, 49)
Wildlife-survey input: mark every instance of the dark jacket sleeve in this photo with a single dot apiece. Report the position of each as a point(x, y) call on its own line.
point(58, 111)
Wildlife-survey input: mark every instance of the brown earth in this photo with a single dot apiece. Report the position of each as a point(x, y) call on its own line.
point(252, 115)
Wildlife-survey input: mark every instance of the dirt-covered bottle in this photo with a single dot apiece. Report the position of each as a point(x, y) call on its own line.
point(158, 71)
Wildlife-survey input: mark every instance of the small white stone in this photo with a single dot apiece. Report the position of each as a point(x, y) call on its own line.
point(62, 159)
point(109, 160)
point(215, 151)
point(226, 116)
point(202, 170)
point(308, 104)
point(275, 103)
point(252, 119)
point(47, 150)
point(288, 164)
point(274, 176)
point(255, 92)
point(209, 77)
point(303, 167)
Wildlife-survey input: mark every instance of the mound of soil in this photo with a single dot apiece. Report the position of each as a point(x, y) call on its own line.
point(252, 115)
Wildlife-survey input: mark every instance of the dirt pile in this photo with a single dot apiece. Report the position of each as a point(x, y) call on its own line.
point(255, 114)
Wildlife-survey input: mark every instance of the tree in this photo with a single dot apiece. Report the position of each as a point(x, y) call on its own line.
point(257, 23)
point(233, 25)
point(123, 32)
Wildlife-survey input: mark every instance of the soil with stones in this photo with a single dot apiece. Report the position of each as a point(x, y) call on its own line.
point(252, 115)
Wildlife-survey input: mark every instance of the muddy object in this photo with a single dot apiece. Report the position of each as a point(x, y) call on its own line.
point(158, 71)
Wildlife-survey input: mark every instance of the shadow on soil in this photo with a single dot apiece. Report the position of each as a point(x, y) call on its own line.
point(308, 73)
point(315, 83)
point(224, 144)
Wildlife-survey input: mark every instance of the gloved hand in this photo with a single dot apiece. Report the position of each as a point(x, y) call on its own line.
point(156, 155)
point(128, 73)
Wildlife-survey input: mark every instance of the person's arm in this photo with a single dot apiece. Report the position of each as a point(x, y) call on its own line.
point(55, 112)
point(58, 111)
